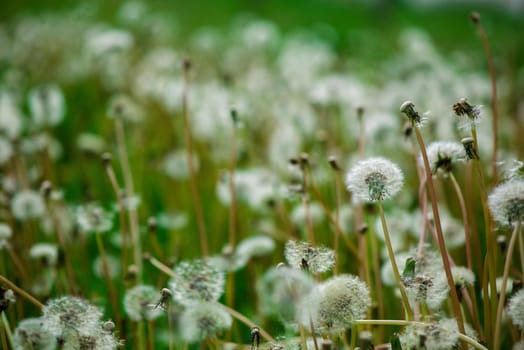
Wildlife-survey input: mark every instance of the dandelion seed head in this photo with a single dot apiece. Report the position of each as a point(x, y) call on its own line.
point(93, 218)
point(200, 281)
point(256, 246)
point(516, 309)
point(6, 150)
point(27, 204)
point(302, 255)
point(374, 179)
point(506, 202)
point(280, 290)
point(47, 105)
point(443, 155)
point(519, 345)
point(5, 234)
point(30, 334)
point(140, 301)
point(46, 253)
point(335, 303)
point(441, 335)
point(66, 315)
point(202, 320)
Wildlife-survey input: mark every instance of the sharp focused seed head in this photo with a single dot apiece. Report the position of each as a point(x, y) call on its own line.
point(506, 202)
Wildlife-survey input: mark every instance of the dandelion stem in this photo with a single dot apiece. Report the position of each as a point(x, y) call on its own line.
point(121, 209)
point(462, 336)
point(22, 292)
point(405, 301)
point(440, 237)
point(494, 101)
point(507, 266)
point(191, 167)
point(7, 329)
point(130, 192)
point(105, 269)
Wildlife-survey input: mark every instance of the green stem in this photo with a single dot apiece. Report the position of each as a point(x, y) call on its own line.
point(8, 330)
point(507, 266)
point(405, 301)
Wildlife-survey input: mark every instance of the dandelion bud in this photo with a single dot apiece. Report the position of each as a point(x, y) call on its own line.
point(132, 272)
point(501, 241)
point(186, 63)
point(360, 112)
point(304, 160)
point(234, 117)
point(506, 202)
point(463, 108)
point(334, 163)
point(374, 179)
point(469, 147)
point(408, 108)
point(255, 337)
point(45, 189)
point(152, 225)
point(407, 130)
point(363, 229)
point(106, 159)
point(327, 344)
point(365, 339)
point(475, 17)
point(7, 297)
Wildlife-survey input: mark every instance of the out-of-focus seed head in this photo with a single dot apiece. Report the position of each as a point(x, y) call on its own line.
point(506, 202)
point(374, 179)
point(516, 309)
point(335, 303)
point(65, 315)
point(198, 281)
point(302, 255)
point(30, 334)
point(140, 302)
point(93, 218)
point(5, 235)
point(45, 253)
point(27, 204)
point(47, 105)
point(280, 291)
point(202, 320)
point(443, 155)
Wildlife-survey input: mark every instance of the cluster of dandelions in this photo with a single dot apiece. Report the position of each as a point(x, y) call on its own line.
point(69, 323)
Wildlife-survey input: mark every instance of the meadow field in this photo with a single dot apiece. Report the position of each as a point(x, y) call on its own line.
point(233, 174)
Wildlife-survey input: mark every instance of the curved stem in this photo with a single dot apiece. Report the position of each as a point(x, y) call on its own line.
point(192, 176)
point(507, 266)
point(405, 301)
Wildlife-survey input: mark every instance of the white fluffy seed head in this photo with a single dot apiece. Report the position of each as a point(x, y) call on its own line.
point(47, 105)
point(140, 303)
point(30, 334)
point(441, 335)
point(199, 280)
point(506, 202)
point(202, 320)
point(374, 179)
point(335, 303)
point(66, 315)
point(27, 204)
point(302, 255)
point(516, 309)
point(280, 291)
point(443, 155)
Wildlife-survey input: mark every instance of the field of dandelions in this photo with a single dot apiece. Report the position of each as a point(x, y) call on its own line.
point(256, 177)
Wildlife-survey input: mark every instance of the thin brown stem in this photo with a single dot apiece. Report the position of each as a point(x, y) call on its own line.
point(121, 208)
point(191, 167)
point(440, 236)
point(494, 100)
point(105, 270)
point(405, 300)
point(507, 266)
point(22, 292)
point(130, 193)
